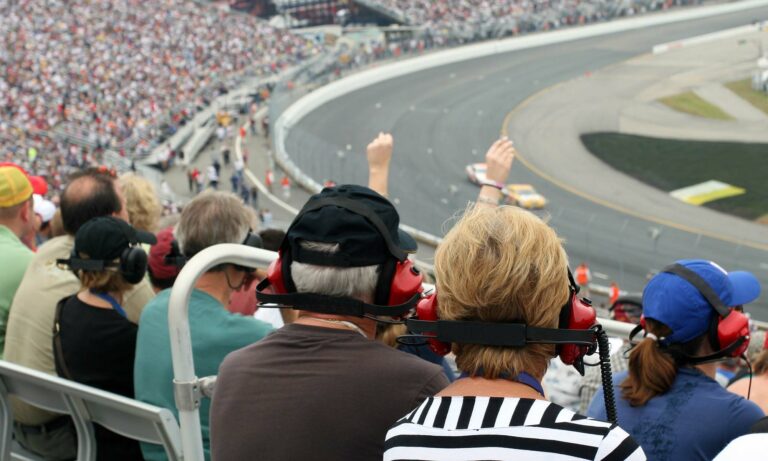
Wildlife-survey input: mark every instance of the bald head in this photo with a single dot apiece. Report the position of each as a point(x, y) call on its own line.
point(88, 195)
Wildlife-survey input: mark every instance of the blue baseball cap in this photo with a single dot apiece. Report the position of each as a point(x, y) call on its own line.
point(673, 301)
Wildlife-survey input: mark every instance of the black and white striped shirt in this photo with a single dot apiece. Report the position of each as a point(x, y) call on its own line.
point(499, 428)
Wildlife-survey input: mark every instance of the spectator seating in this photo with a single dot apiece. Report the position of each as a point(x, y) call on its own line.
point(87, 406)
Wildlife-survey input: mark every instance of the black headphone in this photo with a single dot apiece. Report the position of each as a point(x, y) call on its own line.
point(132, 265)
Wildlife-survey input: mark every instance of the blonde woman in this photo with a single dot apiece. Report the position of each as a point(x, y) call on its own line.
point(502, 265)
point(141, 201)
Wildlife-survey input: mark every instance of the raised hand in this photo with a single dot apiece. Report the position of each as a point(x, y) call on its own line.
point(498, 160)
point(379, 154)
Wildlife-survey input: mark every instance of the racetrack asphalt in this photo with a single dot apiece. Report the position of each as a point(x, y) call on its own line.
point(444, 118)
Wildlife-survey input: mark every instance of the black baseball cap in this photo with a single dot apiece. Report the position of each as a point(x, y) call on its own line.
point(361, 221)
point(106, 237)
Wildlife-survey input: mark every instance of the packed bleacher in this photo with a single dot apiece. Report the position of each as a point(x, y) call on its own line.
point(122, 75)
point(450, 20)
point(339, 349)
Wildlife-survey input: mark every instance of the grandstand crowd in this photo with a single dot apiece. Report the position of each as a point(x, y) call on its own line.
point(79, 77)
point(335, 351)
point(449, 20)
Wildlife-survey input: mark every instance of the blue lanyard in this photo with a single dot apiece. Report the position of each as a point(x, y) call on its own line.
point(112, 301)
point(522, 378)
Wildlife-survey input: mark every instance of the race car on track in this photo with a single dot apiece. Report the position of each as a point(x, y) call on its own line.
point(476, 173)
point(524, 196)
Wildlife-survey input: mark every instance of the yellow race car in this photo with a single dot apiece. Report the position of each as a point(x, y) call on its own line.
point(524, 196)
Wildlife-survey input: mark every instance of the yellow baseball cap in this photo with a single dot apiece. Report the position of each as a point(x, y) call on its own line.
point(15, 187)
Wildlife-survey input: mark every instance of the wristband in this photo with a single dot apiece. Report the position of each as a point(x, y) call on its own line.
point(488, 182)
point(488, 200)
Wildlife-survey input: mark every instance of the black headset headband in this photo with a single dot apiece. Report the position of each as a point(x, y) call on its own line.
point(324, 304)
point(499, 334)
point(700, 284)
point(91, 265)
point(94, 265)
point(359, 209)
point(682, 357)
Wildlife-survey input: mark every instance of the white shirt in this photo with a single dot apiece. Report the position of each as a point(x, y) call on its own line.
point(750, 447)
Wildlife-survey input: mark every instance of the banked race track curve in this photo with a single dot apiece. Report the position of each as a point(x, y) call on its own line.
point(445, 118)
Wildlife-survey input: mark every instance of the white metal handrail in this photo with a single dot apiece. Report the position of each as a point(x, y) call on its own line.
point(187, 389)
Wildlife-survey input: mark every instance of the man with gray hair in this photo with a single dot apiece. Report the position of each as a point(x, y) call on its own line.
point(209, 219)
point(322, 387)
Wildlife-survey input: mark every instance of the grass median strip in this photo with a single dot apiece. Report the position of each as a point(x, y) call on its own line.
point(691, 103)
point(744, 89)
point(669, 164)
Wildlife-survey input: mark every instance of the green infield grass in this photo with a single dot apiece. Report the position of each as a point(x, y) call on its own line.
point(673, 164)
point(744, 89)
point(690, 103)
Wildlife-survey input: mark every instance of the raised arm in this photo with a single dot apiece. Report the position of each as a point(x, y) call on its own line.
point(379, 153)
point(498, 162)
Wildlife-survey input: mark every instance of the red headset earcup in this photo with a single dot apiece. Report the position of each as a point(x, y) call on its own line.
point(732, 328)
point(275, 276)
point(405, 283)
point(581, 316)
point(426, 309)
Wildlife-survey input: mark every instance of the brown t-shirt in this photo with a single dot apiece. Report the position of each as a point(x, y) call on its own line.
point(308, 392)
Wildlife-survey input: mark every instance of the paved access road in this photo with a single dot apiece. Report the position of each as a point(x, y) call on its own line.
point(445, 118)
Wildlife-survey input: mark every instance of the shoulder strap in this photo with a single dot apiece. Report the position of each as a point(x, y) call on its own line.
point(58, 351)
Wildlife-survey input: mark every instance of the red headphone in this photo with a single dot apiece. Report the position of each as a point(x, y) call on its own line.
point(574, 336)
point(729, 330)
point(397, 291)
point(399, 286)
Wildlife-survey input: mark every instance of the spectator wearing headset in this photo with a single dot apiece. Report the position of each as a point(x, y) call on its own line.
point(322, 387)
point(94, 342)
point(210, 218)
point(670, 402)
point(89, 194)
point(162, 268)
point(502, 266)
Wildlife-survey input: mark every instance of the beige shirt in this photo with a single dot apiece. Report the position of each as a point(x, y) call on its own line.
point(29, 337)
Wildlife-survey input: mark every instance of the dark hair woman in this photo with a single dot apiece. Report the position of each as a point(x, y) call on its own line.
point(671, 403)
